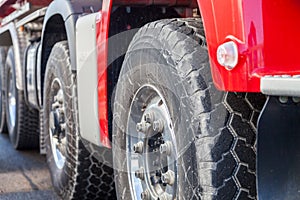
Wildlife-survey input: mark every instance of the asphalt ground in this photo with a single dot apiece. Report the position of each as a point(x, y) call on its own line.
point(23, 174)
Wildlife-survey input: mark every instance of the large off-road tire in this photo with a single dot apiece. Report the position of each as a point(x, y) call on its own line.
point(75, 173)
point(3, 54)
point(22, 121)
point(165, 89)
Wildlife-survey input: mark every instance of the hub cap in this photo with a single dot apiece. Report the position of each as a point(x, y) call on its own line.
point(151, 147)
point(11, 102)
point(57, 124)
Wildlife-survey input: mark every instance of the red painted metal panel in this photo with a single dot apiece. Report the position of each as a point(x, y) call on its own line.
point(189, 3)
point(267, 35)
point(40, 2)
point(102, 48)
point(6, 6)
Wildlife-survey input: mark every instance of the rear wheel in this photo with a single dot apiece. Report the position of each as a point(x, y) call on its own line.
point(75, 173)
point(175, 136)
point(22, 121)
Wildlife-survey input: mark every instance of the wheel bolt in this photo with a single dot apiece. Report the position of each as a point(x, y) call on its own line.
point(168, 177)
point(138, 147)
point(166, 148)
point(158, 126)
point(149, 117)
point(140, 173)
point(139, 127)
point(145, 195)
point(55, 105)
point(142, 127)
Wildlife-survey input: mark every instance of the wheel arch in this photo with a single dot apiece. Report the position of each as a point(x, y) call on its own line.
point(119, 37)
point(59, 24)
point(53, 32)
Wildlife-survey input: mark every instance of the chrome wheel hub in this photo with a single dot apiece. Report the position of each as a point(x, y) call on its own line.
point(151, 147)
point(57, 125)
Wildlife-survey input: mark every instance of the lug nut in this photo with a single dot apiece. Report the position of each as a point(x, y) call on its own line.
point(149, 117)
point(142, 127)
point(168, 177)
point(166, 148)
point(145, 195)
point(139, 127)
point(55, 105)
point(158, 126)
point(138, 147)
point(140, 173)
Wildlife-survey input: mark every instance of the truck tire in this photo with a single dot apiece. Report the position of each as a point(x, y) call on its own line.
point(3, 125)
point(22, 122)
point(75, 173)
point(175, 136)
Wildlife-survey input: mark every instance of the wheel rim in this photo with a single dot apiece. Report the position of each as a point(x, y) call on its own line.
point(58, 139)
point(151, 147)
point(11, 102)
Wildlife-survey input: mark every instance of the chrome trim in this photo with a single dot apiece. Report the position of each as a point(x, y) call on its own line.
point(281, 85)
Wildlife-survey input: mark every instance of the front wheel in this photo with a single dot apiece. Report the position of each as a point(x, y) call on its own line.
point(175, 136)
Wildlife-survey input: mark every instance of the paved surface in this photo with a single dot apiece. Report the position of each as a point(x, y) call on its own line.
point(23, 174)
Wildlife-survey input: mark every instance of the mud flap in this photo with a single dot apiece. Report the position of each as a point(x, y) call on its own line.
point(278, 150)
